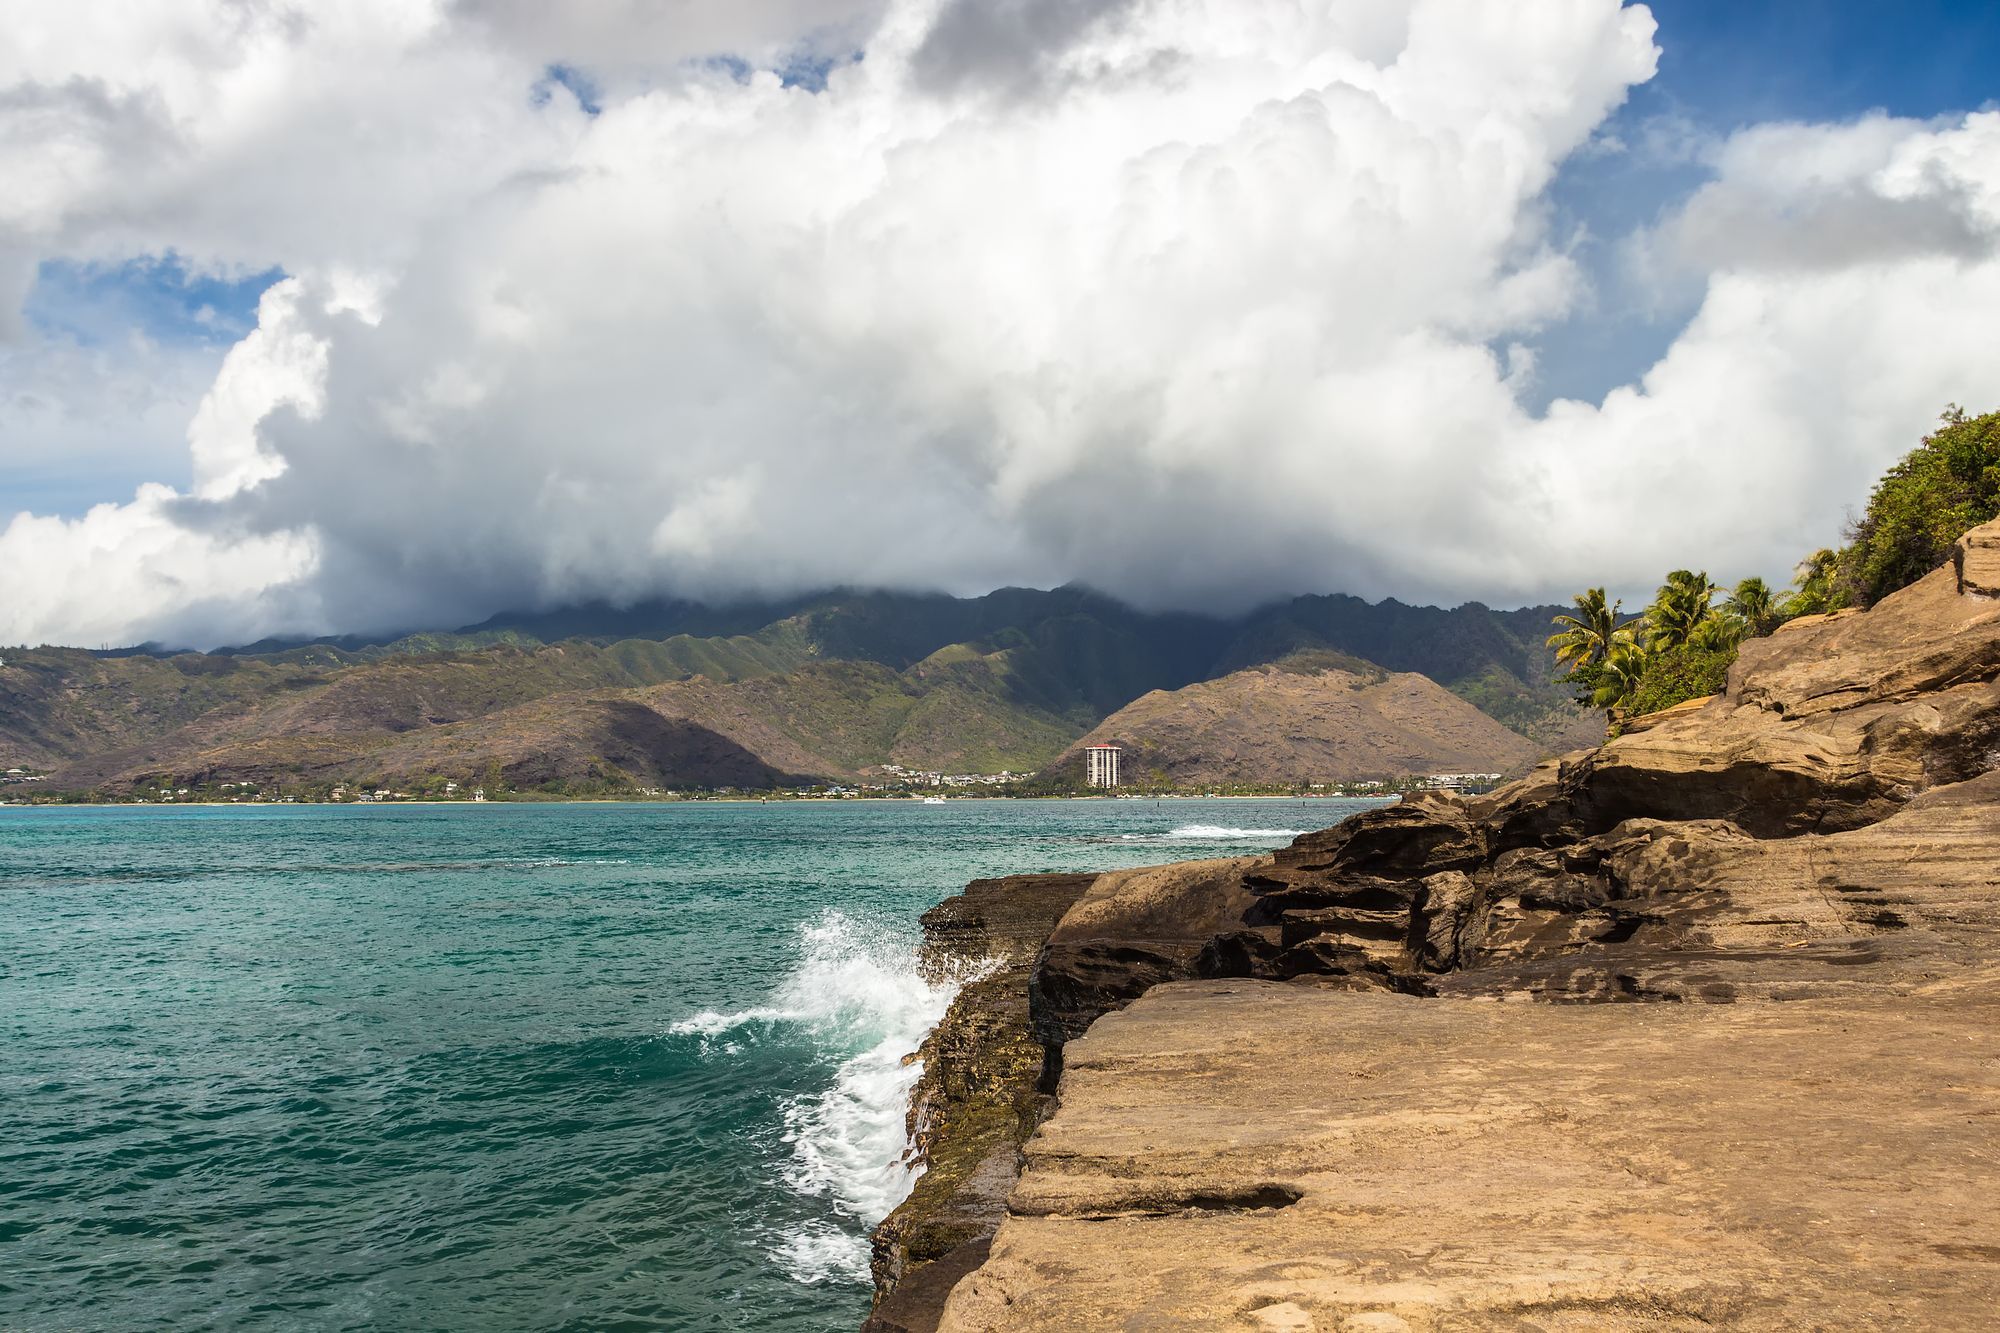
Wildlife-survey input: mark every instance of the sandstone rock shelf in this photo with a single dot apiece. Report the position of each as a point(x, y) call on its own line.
point(1245, 1154)
point(1809, 864)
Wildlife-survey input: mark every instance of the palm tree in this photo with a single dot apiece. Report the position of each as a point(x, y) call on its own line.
point(1722, 632)
point(1817, 586)
point(1755, 605)
point(1684, 601)
point(1619, 676)
point(1587, 637)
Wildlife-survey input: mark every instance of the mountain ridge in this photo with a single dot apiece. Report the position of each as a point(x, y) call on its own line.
point(1003, 681)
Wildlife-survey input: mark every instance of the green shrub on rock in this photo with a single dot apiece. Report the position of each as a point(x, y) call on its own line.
point(1681, 647)
point(1818, 586)
point(1676, 675)
point(1942, 489)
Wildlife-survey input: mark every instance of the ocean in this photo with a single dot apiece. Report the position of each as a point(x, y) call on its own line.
point(502, 1066)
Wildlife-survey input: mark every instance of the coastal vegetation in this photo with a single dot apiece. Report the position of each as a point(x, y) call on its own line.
point(1682, 645)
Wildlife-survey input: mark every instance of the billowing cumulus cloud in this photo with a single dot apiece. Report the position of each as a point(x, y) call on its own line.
point(1199, 301)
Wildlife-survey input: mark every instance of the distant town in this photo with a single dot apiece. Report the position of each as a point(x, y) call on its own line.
point(1102, 777)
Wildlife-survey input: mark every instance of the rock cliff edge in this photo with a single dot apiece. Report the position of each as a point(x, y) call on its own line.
point(1278, 1109)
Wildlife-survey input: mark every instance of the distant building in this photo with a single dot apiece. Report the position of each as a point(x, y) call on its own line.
point(1101, 765)
point(1458, 781)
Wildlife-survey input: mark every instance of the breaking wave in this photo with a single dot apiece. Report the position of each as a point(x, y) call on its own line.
point(858, 995)
point(1212, 833)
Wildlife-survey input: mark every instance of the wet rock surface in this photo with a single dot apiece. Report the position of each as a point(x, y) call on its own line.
point(979, 1096)
point(1805, 868)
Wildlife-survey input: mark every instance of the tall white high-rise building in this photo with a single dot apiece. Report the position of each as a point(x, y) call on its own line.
point(1101, 765)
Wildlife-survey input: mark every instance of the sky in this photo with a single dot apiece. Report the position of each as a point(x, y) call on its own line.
point(402, 313)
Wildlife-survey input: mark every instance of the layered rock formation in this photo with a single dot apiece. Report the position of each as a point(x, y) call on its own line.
point(1826, 833)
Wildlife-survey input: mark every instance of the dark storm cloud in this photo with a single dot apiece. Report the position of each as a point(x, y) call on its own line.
point(1005, 46)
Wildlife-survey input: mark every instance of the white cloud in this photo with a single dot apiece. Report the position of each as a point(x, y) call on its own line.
point(1817, 197)
point(632, 44)
point(91, 580)
point(1196, 301)
point(281, 364)
point(1824, 345)
point(247, 133)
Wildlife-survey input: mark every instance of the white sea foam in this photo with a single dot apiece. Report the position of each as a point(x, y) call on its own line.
point(852, 986)
point(849, 1143)
point(854, 990)
point(1212, 833)
point(552, 862)
point(709, 1023)
point(822, 1252)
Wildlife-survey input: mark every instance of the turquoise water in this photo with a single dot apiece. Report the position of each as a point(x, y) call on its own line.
point(580, 1067)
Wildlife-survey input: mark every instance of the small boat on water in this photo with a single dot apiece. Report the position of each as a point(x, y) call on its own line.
point(933, 800)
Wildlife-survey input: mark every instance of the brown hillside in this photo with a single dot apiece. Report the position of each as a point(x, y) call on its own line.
point(394, 722)
point(1279, 723)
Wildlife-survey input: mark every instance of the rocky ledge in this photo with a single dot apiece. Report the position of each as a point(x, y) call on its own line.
point(979, 1096)
point(1808, 862)
point(1259, 1155)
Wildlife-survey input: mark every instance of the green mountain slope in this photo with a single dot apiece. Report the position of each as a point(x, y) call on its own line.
point(826, 687)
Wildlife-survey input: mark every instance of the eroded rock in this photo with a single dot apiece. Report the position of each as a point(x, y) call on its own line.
point(1805, 868)
point(1131, 931)
point(977, 1100)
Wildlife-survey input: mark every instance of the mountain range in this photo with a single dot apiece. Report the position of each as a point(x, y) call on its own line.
point(680, 694)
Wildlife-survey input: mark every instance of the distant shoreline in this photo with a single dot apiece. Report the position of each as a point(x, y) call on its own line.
point(622, 800)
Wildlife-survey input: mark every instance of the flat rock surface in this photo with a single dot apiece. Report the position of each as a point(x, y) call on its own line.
point(1258, 1155)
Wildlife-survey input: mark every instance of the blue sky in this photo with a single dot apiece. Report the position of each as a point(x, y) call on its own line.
point(1726, 64)
point(159, 298)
